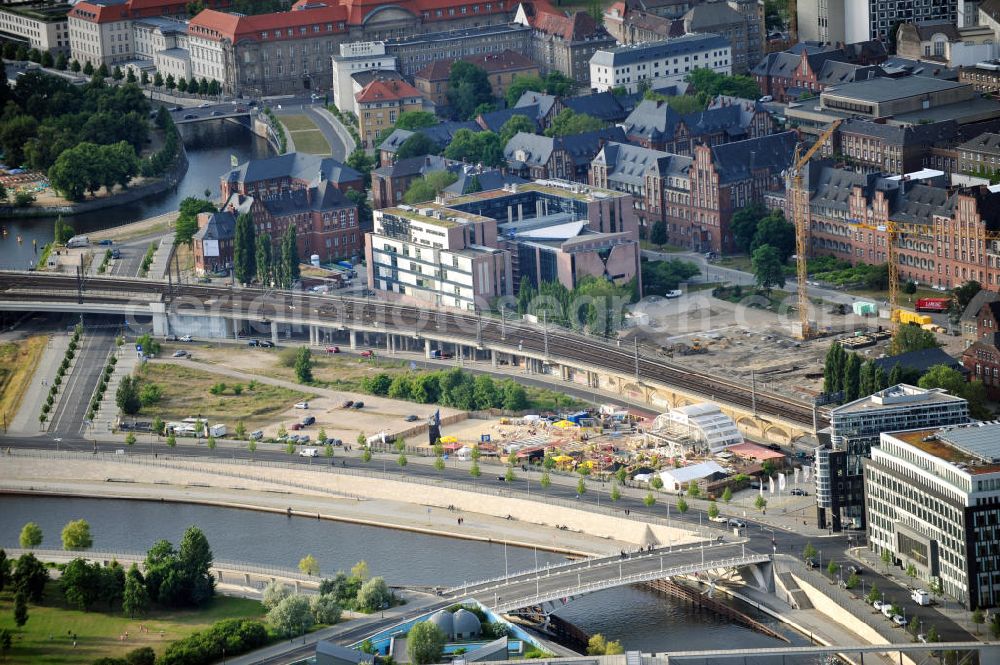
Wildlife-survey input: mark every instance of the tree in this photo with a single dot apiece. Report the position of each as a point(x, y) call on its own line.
point(182, 84)
point(62, 62)
point(911, 337)
point(682, 505)
point(14, 135)
point(873, 594)
point(649, 500)
point(776, 231)
point(887, 558)
point(309, 565)
point(81, 583)
point(360, 570)
point(30, 576)
point(965, 293)
point(127, 396)
point(693, 490)
point(130, 76)
point(171, 440)
point(581, 487)
point(425, 643)
point(568, 123)
point(760, 503)
point(5, 642)
point(363, 163)
point(143, 78)
point(468, 87)
point(852, 377)
point(479, 147)
point(521, 84)
point(713, 510)
point(195, 560)
point(413, 120)
point(416, 146)
point(303, 365)
point(852, 581)
point(135, 598)
point(31, 536)
point(942, 376)
point(374, 595)
point(274, 593)
point(932, 634)
point(832, 567)
point(244, 249)
point(292, 616)
point(5, 577)
point(289, 271)
point(428, 187)
point(711, 84)
point(978, 618)
point(516, 124)
point(262, 259)
point(157, 79)
point(76, 535)
point(866, 383)
point(727, 494)
point(20, 609)
point(130, 439)
point(768, 269)
point(325, 609)
point(187, 218)
point(658, 234)
point(911, 571)
point(809, 552)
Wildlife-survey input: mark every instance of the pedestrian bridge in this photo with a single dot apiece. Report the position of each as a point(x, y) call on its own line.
point(548, 586)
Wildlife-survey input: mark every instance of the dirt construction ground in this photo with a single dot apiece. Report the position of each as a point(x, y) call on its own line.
point(738, 339)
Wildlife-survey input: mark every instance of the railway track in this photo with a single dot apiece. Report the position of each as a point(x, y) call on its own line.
point(558, 343)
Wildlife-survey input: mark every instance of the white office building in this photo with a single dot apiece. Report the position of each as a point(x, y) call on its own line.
point(932, 499)
point(356, 57)
point(852, 21)
point(659, 63)
point(38, 25)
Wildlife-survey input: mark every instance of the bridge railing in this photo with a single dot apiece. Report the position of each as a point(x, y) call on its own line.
point(622, 580)
point(583, 564)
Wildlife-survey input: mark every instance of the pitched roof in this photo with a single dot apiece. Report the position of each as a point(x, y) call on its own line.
point(494, 120)
point(386, 91)
point(628, 164)
point(297, 165)
point(216, 25)
point(991, 8)
point(576, 28)
point(656, 120)
point(705, 16)
point(976, 303)
point(738, 160)
point(674, 47)
point(985, 142)
point(505, 61)
point(937, 133)
point(601, 105)
point(543, 102)
point(345, 654)
point(220, 226)
point(488, 179)
point(534, 150)
point(927, 29)
point(363, 78)
point(412, 166)
point(441, 134)
point(920, 361)
point(439, 70)
point(324, 196)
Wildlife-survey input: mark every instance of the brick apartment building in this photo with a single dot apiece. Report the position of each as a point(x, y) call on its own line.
point(659, 182)
point(561, 43)
point(806, 70)
point(657, 126)
point(294, 170)
point(943, 241)
point(891, 148)
point(501, 68)
point(537, 157)
point(982, 358)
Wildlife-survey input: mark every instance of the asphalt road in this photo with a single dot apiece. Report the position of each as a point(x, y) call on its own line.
point(78, 388)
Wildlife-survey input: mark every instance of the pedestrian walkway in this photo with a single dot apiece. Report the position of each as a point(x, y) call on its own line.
point(161, 258)
point(26, 420)
point(107, 415)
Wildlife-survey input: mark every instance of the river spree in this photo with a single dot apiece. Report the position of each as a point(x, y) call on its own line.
point(639, 618)
point(210, 146)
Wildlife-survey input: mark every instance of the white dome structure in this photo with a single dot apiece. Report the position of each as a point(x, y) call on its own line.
point(465, 624)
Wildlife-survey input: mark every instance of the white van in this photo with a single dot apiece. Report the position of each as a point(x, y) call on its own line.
point(78, 241)
point(920, 597)
point(308, 452)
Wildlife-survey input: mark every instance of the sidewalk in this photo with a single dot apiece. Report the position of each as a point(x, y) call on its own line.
point(161, 258)
point(26, 420)
point(107, 415)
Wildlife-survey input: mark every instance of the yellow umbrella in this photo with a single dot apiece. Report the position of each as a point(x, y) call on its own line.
point(564, 424)
point(449, 439)
point(559, 459)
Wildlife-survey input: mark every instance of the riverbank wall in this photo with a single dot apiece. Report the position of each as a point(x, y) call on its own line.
point(336, 494)
point(162, 184)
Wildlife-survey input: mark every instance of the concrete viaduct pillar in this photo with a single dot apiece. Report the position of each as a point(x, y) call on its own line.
point(354, 339)
point(161, 320)
point(427, 348)
point(274, 333)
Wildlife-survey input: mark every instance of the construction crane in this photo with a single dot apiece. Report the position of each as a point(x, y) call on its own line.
point(800, 217)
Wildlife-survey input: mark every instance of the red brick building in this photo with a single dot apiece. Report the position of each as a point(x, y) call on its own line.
point(295, 170)
point(807, 70)
point(982, 358)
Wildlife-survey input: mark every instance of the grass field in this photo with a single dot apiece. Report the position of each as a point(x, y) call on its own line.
point(311, 141)
point(186, 392)
point(46, 638)
point(17, 365)
point(295, 123)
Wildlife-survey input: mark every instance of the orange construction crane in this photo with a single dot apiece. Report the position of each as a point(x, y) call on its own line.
point(799, 196)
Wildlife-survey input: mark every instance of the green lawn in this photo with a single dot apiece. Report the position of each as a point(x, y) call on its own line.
point(46, 638)
point(296, 123)
point(310, 141)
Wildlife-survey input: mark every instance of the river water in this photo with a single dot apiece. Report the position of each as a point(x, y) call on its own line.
point(209, 144)
point(640, 619)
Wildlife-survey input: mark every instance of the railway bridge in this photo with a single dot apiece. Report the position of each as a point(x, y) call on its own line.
point(587, 361)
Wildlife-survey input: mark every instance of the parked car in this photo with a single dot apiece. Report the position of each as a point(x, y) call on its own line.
point(411, 418)
point(180, 354)
point(811, 563)
point(257, 435)
point(347, 403)
point(170, 338)
point(303, 438)
point(855, 570)
point(190, 116)
point(185, 338)
point(116, 253)
point(673, 293)
point(295, 427)
point(308, 420)
point(367, 353)
point(308, 452)
point(266, 343)
point(216, 113)
point(253, 343)
point(900, 620)
point(333, 349)
point(359, 405)
point(737, 524)
point(887, 610)
point(877, 604)
point(302, 405)
point(799, 492)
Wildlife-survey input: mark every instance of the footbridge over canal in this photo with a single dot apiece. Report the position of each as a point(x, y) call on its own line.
point(550, 586)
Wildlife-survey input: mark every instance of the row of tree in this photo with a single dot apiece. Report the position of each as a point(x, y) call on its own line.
point(254, 257)
point(453, 387)
point(595, 304)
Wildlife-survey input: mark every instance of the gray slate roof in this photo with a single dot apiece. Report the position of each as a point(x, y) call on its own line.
point(628, 164)
point(976, 303)
point(938, 133)
point(322, 197)
point(878, 90)
point(297, 165)
point(331, 652)
point(739, 159)
point(412, 166)
point(657, 120)
point(489, 180)
point(920, 361)
point(602, 105)
point(494, 120)
point(707, 15)
point(987, 142)
point(541, 101)
point(666, 48)
point(581, 147)
point(220, 226)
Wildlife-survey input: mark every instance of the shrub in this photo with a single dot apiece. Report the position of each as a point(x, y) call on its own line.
point(237, 636)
